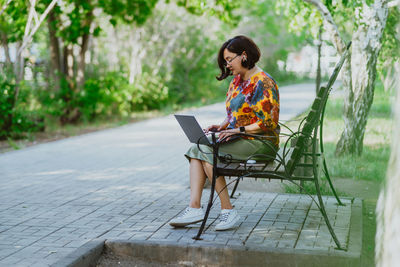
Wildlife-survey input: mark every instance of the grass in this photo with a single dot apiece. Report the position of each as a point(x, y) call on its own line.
point(372, 164)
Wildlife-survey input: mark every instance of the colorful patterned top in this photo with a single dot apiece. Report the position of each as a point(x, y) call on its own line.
point(254, 100)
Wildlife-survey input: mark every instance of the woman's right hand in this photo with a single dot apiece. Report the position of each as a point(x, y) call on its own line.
point(213, 128)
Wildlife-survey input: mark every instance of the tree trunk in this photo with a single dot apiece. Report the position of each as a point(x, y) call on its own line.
point(4, 41)
point(136, 55)
point(387, 236)
point(366, 45)
point(55, 56)
point(70, 114)
point(80, 78)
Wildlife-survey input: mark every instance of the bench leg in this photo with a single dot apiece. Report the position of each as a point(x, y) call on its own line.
point(209, 205)
point(214, 179)
point(324, 214)
point(330, 183)
point(235, 187)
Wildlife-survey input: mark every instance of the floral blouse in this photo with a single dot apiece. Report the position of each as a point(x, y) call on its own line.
point(254, 100)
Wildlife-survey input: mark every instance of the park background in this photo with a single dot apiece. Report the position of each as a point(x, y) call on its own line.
point(87, 65)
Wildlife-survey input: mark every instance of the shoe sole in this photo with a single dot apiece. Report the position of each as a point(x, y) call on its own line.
point(184, 224)
point(231, 227)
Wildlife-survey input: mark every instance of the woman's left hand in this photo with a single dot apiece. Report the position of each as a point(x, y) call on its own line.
point(226, 133)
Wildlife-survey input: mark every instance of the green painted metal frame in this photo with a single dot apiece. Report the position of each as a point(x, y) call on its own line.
point(308, 130)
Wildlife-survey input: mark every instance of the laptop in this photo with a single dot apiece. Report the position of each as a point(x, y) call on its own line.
point(192, 129)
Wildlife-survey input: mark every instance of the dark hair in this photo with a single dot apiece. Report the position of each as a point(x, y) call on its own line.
point(238, 45)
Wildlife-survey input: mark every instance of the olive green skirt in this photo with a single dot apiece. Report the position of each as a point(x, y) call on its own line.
point(240, 149)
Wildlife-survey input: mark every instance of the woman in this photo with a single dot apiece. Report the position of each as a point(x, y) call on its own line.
point(252, 106)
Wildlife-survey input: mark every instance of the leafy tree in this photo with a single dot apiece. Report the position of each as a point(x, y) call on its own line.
point(70, 26)
point(363, 23)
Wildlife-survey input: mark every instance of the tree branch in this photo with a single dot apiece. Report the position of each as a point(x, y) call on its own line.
point(4, 7)
point(332, 27)
point(30, 16)
point(33, 31)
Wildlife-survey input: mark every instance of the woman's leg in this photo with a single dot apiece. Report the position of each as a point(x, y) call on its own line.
point(197, 180)
point(220, 184)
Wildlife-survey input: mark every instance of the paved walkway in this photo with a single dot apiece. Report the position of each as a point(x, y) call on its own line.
point(127, 183)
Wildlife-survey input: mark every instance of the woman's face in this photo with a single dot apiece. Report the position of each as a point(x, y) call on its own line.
point(233, 62)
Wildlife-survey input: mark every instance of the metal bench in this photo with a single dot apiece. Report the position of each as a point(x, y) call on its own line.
point(298, 160)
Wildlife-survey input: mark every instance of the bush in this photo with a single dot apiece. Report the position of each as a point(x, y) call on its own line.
point(113, 95)
point(17, 119)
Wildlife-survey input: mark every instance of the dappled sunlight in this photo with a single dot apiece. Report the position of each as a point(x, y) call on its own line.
point(57, 172)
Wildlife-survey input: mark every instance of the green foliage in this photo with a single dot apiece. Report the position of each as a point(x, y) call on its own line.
point(128, 11)
point(223, 9)
point(7, 89)
point(13, 20)
point(17, 120)
point(194, 70)
point(81, 15)
point(108, 95)
point(113, 95)
point(302, 18)
point(390, 51)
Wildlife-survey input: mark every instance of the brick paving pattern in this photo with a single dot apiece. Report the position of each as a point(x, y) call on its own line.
point(127, 183)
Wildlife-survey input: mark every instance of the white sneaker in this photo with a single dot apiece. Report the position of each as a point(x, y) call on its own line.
point(189, 216)
point(228, 219)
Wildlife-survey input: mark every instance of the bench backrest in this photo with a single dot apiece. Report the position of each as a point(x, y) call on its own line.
point(314, 117)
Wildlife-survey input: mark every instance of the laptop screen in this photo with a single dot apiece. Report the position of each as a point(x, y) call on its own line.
point(192, 129)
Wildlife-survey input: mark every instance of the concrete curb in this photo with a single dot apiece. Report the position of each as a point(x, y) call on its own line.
point(86, 255)
point(210, 255)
